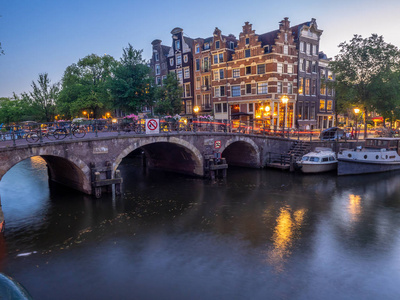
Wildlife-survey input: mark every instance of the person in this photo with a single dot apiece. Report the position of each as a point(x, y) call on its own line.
point(352, 134)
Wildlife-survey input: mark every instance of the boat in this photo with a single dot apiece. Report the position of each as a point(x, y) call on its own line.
point(318, 161)
point(378, 155)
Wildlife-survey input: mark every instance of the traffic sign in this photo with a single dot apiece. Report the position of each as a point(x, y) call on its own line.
point(152, 126)
point(217, 144)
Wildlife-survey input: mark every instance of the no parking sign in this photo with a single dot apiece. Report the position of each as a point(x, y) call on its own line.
point(152, 126)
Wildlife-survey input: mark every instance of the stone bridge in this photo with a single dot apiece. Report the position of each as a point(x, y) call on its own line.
point(70, 162)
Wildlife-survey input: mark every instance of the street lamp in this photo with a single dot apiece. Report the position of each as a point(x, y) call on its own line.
point(196, 109)
point(356, 111)
point(84, 113)
point(284, 100)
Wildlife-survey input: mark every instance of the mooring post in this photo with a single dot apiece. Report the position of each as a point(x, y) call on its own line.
point(97, 189)
point(118, 185)
point(224, 171)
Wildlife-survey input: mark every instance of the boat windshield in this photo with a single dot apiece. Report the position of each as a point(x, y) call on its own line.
point(315, 159)
point(305, 158)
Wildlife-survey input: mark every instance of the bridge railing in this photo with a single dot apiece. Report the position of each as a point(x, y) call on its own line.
point(16, 133)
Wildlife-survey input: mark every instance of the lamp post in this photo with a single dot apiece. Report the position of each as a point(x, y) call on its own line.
point(284, 100)
point(356, 111)
point(196, 109)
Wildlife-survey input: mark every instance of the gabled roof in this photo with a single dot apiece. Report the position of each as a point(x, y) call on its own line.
point(268, 38)
point(165, 49)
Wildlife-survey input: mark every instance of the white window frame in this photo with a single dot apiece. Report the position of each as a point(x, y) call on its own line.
point(262, 88)
point(156, 56)
point(290, 69)
point(279, 67)
point(236, 73)
point(178, 59)
point(302, 47)
point(285, 49)
point(186, 73)
point(158, 69)
point(234, 90)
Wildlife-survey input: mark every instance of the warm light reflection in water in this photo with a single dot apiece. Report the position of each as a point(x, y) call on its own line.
point(354, 207)
point(288, 225)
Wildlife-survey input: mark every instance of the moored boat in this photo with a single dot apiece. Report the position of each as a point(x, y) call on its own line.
point(378, 155)
point(318, 161)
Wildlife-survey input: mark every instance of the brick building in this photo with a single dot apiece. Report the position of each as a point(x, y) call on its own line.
point(247, 78)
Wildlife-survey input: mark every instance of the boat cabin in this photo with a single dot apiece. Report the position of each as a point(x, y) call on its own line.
point(392, 144)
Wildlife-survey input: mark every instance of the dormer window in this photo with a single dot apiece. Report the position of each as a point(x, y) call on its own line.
point(177, 45)
point(217, 45)
point(197, 49)
point(206, 46)
point(231, 45)
point(247, 41)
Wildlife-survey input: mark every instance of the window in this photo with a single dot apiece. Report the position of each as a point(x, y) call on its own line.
point(247, 41)
point(177, 45)
point(321, 105)
point(300, 111)
point(206, 46)
point(314, 67)
point(224, 107)
point(307, 88)
point(308, 48)
point(248, 88)
point(285, 49)
point(251, 107)
point(248, 70)
point(262, 88)
point(306, 111)
point(301, 46)
point(221, 57)
point(186, 73)
point(215, 59)
point(290, 69)
point(279, 68)
point(164, 78)
point(219, 91)
point(198, 83)
point(329, 91)
point(314, 87)
point(290, 88)
point(235, 90)
point(285, 37)
point(218, 107)
point(158, 80)
point(171, 61)
point(178, 59)
point(179, 75)
point(187, 90)
point(247, 53)
point(217, 45)
point(301, 86)
point(221, 74)
point(261, 69)
point(189, 107)
point(314, 49)
point(158, 71)
point(312, 111)
point(231, 45)
point(185, 58)
point(302, 65)
point(156, 57)
point(266, 49)
point(236, 73)
point(330, 75)
point(308, 66)
point(329, 105)
point(197, 49)
point(279, 87)
point(197, 64)
point(205, 65)
point(216, 74)
point(322, 89)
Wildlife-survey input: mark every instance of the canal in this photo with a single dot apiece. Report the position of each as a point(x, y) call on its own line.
point(261, 234)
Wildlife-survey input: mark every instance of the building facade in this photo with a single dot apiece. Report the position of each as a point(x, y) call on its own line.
point(250, 77)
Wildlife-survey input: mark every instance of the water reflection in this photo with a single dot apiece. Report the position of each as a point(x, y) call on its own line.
point(287, 230)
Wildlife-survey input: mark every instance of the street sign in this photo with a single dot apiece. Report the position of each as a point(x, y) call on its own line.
point(152, 126)
point(217, 144)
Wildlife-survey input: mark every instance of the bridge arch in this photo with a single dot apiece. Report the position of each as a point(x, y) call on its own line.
point(71, 171)
point(242, 151)
point(170, 153)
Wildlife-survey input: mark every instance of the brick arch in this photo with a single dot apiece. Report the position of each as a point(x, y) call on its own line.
point(195, 153)
point(254, 154)
point(74, 162)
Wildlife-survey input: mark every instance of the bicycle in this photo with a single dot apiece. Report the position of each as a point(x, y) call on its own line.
point(61, 133)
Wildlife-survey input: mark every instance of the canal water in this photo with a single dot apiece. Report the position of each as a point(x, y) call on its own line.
point(261, 234)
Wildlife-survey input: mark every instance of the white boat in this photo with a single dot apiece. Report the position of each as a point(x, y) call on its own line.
point(318, 161)
point(378, 155)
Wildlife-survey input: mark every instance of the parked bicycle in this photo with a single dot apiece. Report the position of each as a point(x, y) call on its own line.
point(55, 133)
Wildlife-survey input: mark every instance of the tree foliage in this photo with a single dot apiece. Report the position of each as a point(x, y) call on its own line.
point(169, 96)
point(84, 87)
point(358, 66)
point(42, 100)
point(131, 85)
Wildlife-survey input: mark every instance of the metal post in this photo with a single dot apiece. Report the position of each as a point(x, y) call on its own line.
point(95, 126)
point(13, 136)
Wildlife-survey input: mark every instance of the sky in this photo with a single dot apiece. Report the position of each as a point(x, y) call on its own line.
point(47, 36)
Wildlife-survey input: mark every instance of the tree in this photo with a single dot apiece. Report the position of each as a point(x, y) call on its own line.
point(84, 87)
point(43, 98)
point(131, 85)
point(169, 96)
point(356, 66)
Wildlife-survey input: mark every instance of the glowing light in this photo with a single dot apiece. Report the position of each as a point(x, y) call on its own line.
point(356, 110)
point(196, 109)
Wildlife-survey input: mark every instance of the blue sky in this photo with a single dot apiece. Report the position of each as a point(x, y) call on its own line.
point(47, 36)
